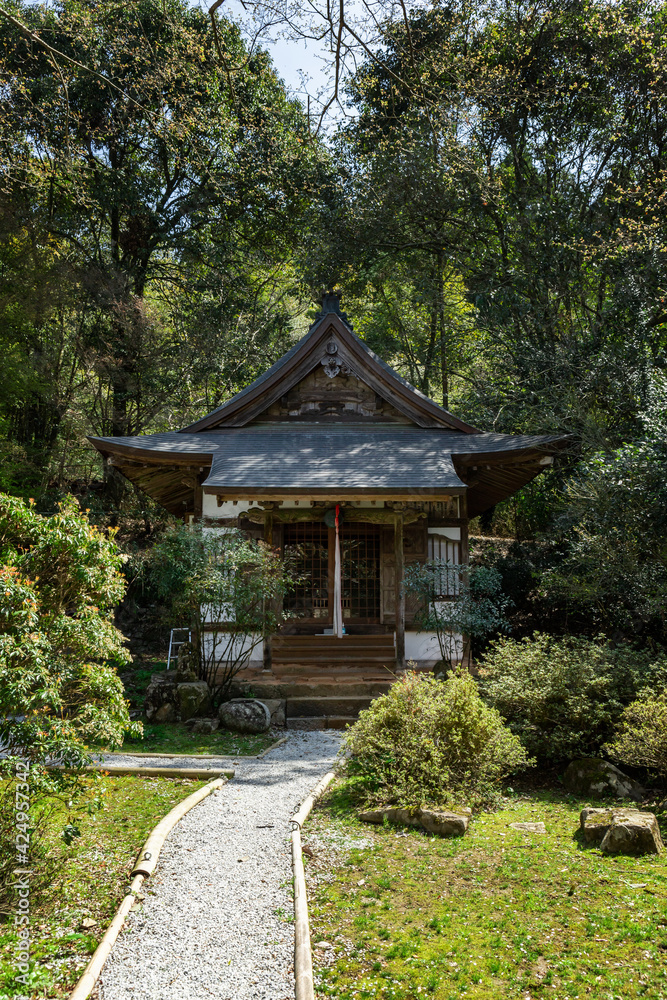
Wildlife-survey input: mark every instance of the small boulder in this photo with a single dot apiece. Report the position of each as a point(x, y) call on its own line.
point(442, 823)
point(621, 831)
point(205, 726)
point(590, 776)
point(165, 713)
point(193, 697)
point(529, 827)
point(445, 824)
point(245, 715)
point(161, 692)
point(276, 707)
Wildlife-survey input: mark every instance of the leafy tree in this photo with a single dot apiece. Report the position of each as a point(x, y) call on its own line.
point(59, 692)
point(475, 610)
point(154, 173)
point(228, 589)
point(615, 520)
point(522, 149)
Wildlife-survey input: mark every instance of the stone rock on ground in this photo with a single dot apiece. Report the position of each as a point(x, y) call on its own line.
point(621, 831)
point(245, 715)
point(443, 823)
point(276, 707)
point(205, 726)
point(529, 827)
point(590, 776)
point(194, 698)
point(161, 700)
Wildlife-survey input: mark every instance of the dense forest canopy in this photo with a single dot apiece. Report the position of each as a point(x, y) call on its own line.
point(155, 191)
point(492, 208)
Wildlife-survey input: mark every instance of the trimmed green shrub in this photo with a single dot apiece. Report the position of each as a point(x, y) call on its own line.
point(431, 742)
point(564, 696)
point(641, 740)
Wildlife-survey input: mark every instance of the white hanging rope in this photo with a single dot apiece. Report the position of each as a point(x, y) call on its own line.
point(338, 604)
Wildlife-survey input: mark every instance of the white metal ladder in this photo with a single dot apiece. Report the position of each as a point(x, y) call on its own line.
point(175, 642)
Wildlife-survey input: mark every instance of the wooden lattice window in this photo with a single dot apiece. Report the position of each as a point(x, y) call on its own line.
point(446, 551)
point(360, 559)
point(308, 545)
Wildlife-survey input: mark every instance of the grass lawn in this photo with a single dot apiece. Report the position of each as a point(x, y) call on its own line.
point(176, 737)
point(91, 879)
point(496, 914)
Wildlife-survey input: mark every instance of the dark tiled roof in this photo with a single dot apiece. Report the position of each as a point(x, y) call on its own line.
point(324, 437)
point(320, 456)
point(331, 458)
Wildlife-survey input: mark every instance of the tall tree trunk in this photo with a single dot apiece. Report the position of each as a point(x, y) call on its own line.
point(442, 331)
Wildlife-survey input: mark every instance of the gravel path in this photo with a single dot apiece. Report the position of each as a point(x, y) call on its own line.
point(213, 923)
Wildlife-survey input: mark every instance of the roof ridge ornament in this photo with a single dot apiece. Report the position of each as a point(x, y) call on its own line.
point(330, 303)
point(333, 365)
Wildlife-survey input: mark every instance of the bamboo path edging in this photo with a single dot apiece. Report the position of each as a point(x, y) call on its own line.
point(144, 866)
point(118, 770)
point(303, 957)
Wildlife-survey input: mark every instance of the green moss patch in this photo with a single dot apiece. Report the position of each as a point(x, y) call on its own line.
point(92, 878)
point(494, 915)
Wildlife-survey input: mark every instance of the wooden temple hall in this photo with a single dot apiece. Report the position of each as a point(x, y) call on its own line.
point(331, 428)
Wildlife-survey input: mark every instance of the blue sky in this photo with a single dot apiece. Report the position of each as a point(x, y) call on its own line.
point(305, 66)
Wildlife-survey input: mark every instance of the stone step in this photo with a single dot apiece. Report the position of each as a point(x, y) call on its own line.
point(329, 706)
point(301, 689)
point(321, 722)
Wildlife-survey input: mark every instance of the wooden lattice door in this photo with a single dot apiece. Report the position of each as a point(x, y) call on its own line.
point(308, 546)
point(360, 572)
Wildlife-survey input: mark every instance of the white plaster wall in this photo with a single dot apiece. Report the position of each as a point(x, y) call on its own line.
point(453, 533)
point(241, 644)
point(423, 647)
point(230, 508)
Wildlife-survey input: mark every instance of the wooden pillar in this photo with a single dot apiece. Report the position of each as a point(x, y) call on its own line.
point(268, 538)
point(198, 501)
point(466, 658)
point(399, 599)
point(463, 514)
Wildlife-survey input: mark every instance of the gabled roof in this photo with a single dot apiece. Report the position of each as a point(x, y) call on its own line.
point(333, 461)
point(312, 351)
point(425, 451)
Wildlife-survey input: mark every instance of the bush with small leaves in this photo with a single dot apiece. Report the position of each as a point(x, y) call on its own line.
point(431, 742)
point(564, 696)
point(641, 739)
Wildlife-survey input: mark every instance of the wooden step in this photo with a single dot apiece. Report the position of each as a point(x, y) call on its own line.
point(289, 644)
point(322, 637)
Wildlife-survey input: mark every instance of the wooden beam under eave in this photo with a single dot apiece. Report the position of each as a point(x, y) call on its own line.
point(165, 486)
point(424, 496)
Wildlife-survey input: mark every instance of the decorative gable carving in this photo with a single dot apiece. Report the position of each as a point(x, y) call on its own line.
point(336, 397)
point(332, 363)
